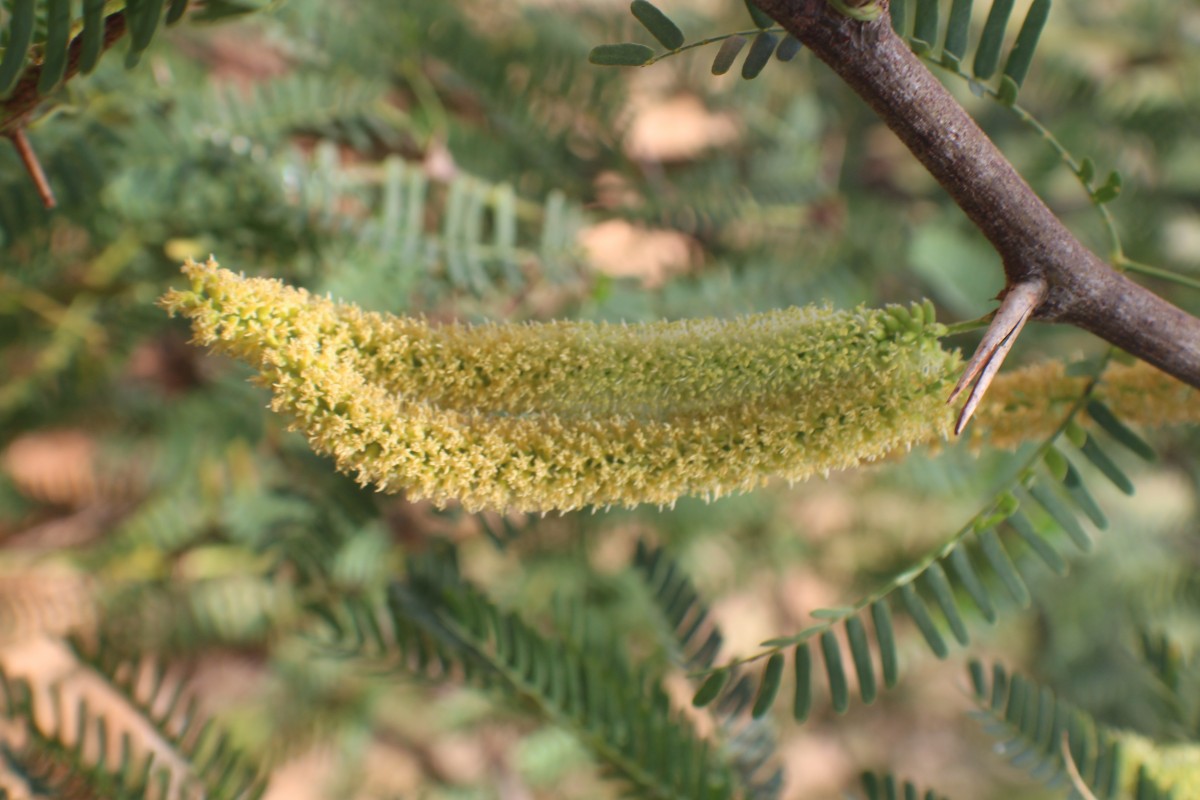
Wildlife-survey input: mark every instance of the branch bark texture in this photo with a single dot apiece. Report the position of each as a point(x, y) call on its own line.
point(1082, 289)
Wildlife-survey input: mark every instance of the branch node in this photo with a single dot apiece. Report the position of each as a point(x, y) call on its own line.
point(1017, 307)
point(861, 10)
point(30, 160)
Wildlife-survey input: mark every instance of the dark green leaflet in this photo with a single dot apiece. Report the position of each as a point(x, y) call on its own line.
point(1017, 66)
point(987, 57)
point(760, 53)
point(659, 24)
point(727, 54)
point(625, 54)
point(20, 35)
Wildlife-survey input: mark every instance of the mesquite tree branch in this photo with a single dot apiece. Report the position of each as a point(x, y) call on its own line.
point(1080, 288)
point(23, 102)
point(24, 99)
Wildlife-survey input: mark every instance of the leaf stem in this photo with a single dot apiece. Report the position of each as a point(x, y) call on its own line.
point(712, 40)
point(966, 326)
point(1157, 272)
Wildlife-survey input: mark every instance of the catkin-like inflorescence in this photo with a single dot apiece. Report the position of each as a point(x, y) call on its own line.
point(1172, 766)
point(1030, 403)
point(558, 416)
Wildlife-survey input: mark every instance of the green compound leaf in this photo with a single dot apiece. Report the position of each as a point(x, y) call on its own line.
point(1031, 723)
point(625, 54)
point(659, 24)
point(760, 53)
point(444, 623)
point(680, 605)
point(727, 54)
point(768, 688)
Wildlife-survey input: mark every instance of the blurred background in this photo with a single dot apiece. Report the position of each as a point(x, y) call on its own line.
point(463, 160)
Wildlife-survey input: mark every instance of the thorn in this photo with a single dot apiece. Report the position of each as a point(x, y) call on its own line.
point(1017, 307)
point(1073, 770)
point(30, 160)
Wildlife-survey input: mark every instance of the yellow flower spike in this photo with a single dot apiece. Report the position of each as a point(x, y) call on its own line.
point(561, 415)
point(558, 416)
point(595, 368)
point(1172, 766)
point(1029, 403)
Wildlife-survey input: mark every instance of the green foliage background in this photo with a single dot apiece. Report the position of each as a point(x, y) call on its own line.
point(347, 147)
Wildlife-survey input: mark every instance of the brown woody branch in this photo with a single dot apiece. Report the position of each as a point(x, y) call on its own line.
point(1037, 249)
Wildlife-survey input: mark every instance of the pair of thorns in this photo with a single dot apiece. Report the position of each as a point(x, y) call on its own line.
point(1016, 308)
